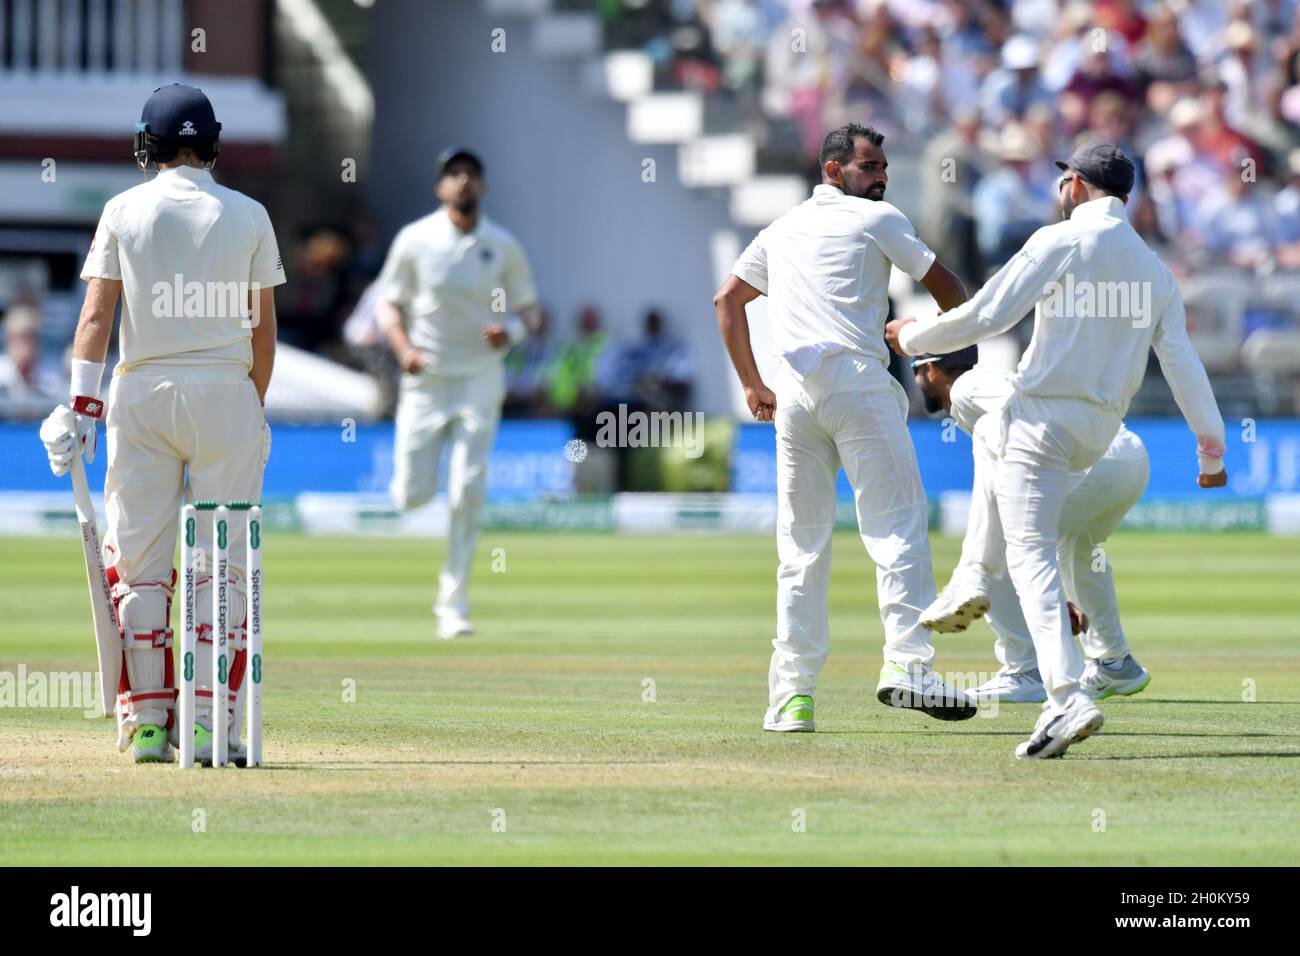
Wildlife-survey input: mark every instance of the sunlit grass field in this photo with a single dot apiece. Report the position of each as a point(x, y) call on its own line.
point(609, 711)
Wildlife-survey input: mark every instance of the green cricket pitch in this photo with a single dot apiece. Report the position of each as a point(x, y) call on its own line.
point(609, 710)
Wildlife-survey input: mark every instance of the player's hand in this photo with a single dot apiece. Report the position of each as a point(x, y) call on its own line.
point(1217, 480)
point(65, 434)
point(1078, 620)
point(761, 401)
point(892, 330)
point(495, 335)
point(412, 360)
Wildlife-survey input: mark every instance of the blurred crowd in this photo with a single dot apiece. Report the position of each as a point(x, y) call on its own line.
point(328, 309)
point(1204, 94)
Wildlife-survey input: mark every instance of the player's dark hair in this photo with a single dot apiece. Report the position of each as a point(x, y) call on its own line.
point(838, 144)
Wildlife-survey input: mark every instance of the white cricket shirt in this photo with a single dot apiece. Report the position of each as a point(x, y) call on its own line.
point(453, 284)
point(824, 267)
point(1101, 299)
point(188, 253)
point(982, 390)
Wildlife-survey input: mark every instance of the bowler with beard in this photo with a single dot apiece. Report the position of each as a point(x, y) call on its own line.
point(824, 267)
point(455, 293)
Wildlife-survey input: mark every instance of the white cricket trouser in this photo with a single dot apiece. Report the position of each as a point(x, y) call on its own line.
point(1095, 504)
point(1031, 447)
point(175, 433)
point(850, 412)
point(459, 413)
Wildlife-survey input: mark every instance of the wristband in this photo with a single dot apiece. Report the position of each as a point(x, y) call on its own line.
point(86, 377)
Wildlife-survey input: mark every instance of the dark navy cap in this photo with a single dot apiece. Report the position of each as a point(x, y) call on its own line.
point(1104, 165)
point(179, 112)
point(963, 358)
point(457, 152)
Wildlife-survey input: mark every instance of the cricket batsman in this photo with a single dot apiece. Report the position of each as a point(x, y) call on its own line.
point(447, 289)
point(1101, 300)
point(194, 265)
point(825, 267)
point(1095, 503)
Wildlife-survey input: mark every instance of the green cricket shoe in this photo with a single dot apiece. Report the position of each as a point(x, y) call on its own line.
point(149, 744)
point(921, 689)
point(794, 716)
point(236, 754)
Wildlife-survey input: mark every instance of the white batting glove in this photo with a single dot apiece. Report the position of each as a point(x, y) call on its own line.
point(65, 433)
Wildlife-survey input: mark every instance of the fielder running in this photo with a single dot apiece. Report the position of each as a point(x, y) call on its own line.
point(825, 267)
point(1101, 301)
point(447, 288)
point(1095, 504)
point(194, 264)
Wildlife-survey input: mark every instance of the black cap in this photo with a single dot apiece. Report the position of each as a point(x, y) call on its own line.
point(178, 112)
point(457, 152)
point(962, 358)
point(1104, 165)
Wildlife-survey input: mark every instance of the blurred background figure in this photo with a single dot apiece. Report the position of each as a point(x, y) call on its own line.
point(527, 364)
point(30, 382)
point(652, 373)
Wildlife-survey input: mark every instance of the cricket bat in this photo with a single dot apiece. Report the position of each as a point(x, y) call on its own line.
point(108, 639)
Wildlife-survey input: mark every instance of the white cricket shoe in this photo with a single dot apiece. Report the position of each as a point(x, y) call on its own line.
point(1102, 679)
point(917, 689)
point(1058, 728)
point(958, 605)
point(454, 625)
point(794, 716)
point(1008, 688)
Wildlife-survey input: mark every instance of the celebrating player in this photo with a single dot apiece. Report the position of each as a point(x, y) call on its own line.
point(1095, 504)
point(1102, 300)
point(825, 268)
point(446, 290)
point(194, 264)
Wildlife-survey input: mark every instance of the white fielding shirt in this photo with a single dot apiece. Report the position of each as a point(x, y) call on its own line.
point(827, 265)
point(188, 253)
point(451, 285)
point(1101, 299)
point(983, 390)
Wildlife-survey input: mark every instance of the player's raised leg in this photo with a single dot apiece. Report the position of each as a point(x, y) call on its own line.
point(870, 429)
point(967, 595)
point(1094, 509)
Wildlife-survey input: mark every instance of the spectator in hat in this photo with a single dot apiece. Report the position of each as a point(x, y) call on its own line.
point(1011, 203)
point(1009, 91)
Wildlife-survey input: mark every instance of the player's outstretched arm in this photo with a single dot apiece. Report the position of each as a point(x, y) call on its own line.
point(263, 340)
point(730, 304)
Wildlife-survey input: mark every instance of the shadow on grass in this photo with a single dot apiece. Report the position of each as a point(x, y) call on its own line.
point(1218, 755)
